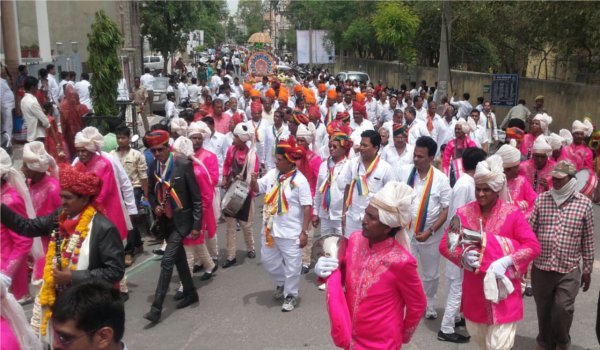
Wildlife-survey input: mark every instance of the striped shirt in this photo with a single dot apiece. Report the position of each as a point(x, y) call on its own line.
point(566, 234)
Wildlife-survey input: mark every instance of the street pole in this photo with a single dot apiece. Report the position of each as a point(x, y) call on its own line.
point(310, 50)
point(10, 37)
point(444, 78)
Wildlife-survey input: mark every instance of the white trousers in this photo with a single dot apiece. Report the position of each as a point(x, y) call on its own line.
point(352, 225)
point(494, 336)
point(428, 257)
point(452, 310)
point(7, 121)
point(331, 226)
point(283, 263)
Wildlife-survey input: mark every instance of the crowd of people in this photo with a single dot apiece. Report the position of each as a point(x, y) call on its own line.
point(407, 180)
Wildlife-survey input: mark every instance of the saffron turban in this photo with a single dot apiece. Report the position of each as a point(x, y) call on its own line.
point(297, 88)
point(510, 156)
point(156, 138)
point(244, 132)
point(200, 128)
point(270, 93)
point(343, 116)
point(585, 127)
point(331, 94)
point(491, 172)
point(283, 93)
point(321, 87)
point(393, 202)
point(306, 132)
point(183, 146)
point(90, 139)
point(359, 108)
point(37, 159)
point(79, 182)
point(179, 126)
point(290, 150)
point(541, 145)
point(247, 87)
point(544, 120)
point(399, 129)
point(256, 106)
point(555, 141)
point(254, 93)
point(360, 97)
point(515, 133)
point(300, 118)
point(309, 96)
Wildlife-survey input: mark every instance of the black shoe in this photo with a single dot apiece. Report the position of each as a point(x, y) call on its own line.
point(252, 254)
point(461, 323)
point(453, 338)
point(305, 269)
point(197, 268)
point(229, 263)
point(178, 295)
point(206, 276)
point(152, 316)
point(528, 291)
point(124, 296)
point(187, 301)
point(158, 251)
point(216, 261)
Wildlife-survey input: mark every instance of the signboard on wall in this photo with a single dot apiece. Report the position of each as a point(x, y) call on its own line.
point(314, 42)
point(505, 90)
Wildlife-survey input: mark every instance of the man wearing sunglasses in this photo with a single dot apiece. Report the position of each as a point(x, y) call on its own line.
point(88, 316)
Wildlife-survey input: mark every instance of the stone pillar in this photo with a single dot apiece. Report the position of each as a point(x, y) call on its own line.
point(10, 36)
point(43, 29)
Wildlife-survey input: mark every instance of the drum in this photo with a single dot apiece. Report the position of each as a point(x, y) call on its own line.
point(333, 246)
point(586, 182)
point(234, 198)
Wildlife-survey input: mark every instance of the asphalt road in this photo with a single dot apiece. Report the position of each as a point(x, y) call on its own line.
point(236, 311)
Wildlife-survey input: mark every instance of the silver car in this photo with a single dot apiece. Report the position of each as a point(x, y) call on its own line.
point(160, 95)
point(354, 75)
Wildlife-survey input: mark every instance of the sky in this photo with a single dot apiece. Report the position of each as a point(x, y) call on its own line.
point(232, 5)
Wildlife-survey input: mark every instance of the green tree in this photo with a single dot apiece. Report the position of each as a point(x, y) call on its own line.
point(104, 43)
point(251, 13)
point(395, 27)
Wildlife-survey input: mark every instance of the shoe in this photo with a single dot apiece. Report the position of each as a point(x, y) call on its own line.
point(197, 268)
point(278, 293)
point(252, 254)
point(152, 316)
point(322, 286)
point(305, 269)
point(216, 261)
point(461, 323)
point(124, 296)
point(528, 291)
point(229, 263)
point(453, 338)
point(158, 251)
point(208, 274)
point(289, 303)
point(128, 260)
point(188, 300)
point(178, 295)
point(431, 314)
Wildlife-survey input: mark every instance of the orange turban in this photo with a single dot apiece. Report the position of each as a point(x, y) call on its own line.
point(156, 138)
point(270, 93)
point(290, 150)
point(80, 182)
point(254, 93)
point(360, 97)
point(297, 88)
point(515, 133)
point(247, 87)
point(332, 94)
point(322, 88)
point(283, 94)
point(300, 118)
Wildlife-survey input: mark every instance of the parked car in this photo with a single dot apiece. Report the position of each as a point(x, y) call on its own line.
point(160, 95)
point(153, 62)
point(354, 75)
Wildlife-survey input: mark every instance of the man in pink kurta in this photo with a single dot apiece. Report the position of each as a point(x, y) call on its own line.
point(456, 146)
point(384, 299)
point(537, 169)
point(492, 325)
point(520, 192)
point(538, 127)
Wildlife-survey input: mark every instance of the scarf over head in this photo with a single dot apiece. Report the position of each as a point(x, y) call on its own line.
point(464, 125)
point(393, 202)
point(179, 126)
point(510, 156)
point(244, 132)
point(544, 120)
point(586, 127)
point(343, 116)
point(561, 170)
point(201, 128)
point(555, 141)
point(567, 136)
point(306, 132)
point(491, 172)
point(90, 139)
point(300, 118)
point(37, 159)
point(541, 145)
point(183, 146)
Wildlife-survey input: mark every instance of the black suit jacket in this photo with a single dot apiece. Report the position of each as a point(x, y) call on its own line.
point(184, 182)
point(107, 259)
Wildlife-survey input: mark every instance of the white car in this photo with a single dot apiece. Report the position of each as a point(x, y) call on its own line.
point(354, 75)
point(154, 62)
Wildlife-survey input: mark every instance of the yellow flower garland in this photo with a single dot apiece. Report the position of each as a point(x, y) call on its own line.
point(72, 249)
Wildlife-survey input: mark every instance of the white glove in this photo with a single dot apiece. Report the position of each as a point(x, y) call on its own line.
point(325, 266)
point(471, 259)
point(499, 266)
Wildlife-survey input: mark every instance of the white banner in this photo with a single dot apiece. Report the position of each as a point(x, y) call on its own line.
point(323, 49)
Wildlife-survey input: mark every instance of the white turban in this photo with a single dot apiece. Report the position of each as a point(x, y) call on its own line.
point(540, 145)
point(544, 120)
point(201, 128)
point(89, 138)
point(244, 132)
point(306, 132)
point(464, 125)
point(183, 146)
point(555, 141)
point(37, 159)
point(491, 172)
point(567, 136)
point(472, 124)
point(586, 127)
point(510, 156)
point(393, 202)
point(179, 126)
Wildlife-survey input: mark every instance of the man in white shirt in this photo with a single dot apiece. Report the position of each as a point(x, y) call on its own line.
point(346, 104)
point(321, 139)
point(236, 65)
point(83, 90)
point(170, 108)
point(387, 110)
point(429, 213)
point(35, 119)
point(285, 222)
point(358, 123)
point(398, 152)
point(373, 111)
point(215, 82)
point(488, 121)
point(194, 93)
point(367, 166)
point(7, 100)
point(233, 103)
point(445, 128)
point(262, 86)
point(462, 193)
point(328, 109)
point(383, 102)
point(147, 82)
point(278, 131)
point(420, 109)
point(183, 90)
point(53, 89)
point(64, 78)
point(478, 133)
point(261, 129)
point(463, 106)
point(416, 127)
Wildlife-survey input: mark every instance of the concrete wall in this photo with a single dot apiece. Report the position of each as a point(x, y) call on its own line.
point(564, 101)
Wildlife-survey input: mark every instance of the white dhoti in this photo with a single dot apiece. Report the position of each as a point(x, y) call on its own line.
point(493, 337)
point(331, 226)
point(283, 263)
point(352, 225)
point(454, 274)
point(428, 257)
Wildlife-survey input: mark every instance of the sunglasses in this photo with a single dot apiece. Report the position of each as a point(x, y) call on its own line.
point(158, 150)
point(67, 339)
